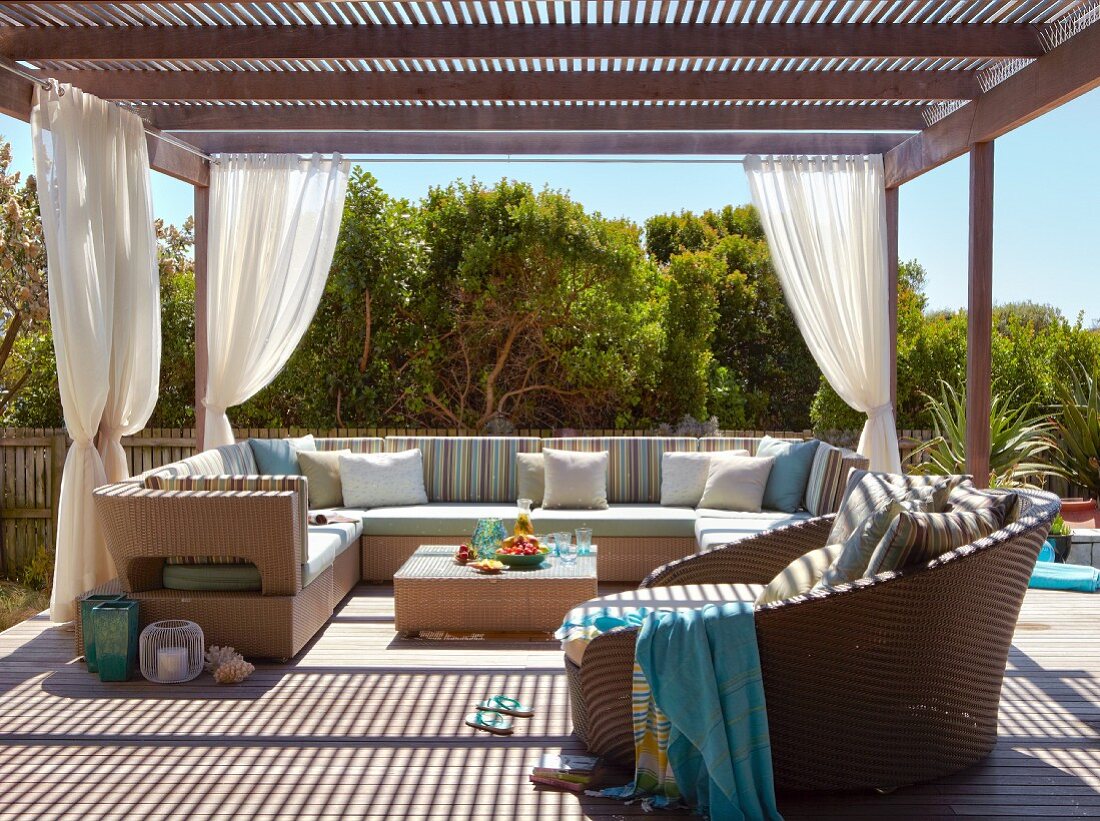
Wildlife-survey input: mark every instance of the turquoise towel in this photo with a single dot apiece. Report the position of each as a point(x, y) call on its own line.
point(1051, 576)
point(703, 667)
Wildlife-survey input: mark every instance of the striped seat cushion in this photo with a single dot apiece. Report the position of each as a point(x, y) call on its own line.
point(356, 444)
point(227, 482)
point(468, 468)
point(235, 459)
point(634, 462)
point(918, 538)
point(829, 478)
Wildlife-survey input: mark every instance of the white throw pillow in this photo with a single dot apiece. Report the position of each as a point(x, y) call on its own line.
point(306, 442)
point(684, 475)
point(575, 480)
point(383, 479)
point(737, 483)
point(530, 477)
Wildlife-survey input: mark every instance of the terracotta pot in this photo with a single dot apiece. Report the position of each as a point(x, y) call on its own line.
point(1080, 513)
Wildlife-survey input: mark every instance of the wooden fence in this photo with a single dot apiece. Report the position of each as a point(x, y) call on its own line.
point(31, 460)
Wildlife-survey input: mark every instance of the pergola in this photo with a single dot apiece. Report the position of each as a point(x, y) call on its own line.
point(919, 82)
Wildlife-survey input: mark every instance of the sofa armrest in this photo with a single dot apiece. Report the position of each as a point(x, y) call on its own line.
point(144, 527)
point(754, 560)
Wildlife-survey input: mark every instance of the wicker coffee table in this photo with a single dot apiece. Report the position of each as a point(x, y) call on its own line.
point(432, 592)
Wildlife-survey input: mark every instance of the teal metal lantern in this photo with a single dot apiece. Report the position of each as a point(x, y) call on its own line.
point(115, 625)
point(488, 534)
point(87, 604)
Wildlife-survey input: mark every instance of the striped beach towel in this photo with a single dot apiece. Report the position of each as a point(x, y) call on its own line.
point(700, 721)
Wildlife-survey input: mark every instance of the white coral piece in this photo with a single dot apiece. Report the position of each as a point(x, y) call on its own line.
point(217, 656)
point(233, 671)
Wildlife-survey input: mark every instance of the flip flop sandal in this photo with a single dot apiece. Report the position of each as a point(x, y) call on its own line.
point(506, 705)
point(490, 721)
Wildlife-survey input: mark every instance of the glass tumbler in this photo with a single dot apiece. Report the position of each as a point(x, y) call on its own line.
point(584, 541)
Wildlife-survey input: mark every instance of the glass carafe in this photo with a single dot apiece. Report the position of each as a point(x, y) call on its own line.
point(523, 527)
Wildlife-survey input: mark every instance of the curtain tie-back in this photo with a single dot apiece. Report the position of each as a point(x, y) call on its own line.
point(83, 442)
point(880, 410)
point(210, 406)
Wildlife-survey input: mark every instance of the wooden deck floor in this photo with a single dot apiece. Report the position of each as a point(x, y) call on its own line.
point(365, 723)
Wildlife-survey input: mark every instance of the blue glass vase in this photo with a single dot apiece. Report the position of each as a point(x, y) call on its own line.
point(87, 629)
point(115, 624)
point(488, 534)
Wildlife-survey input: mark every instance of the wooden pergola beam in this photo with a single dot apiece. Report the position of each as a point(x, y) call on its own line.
point(536, 118)
point(921, 84)
point(17, 99)
point(1067, 72)
point(525, 41)
point(543, 143)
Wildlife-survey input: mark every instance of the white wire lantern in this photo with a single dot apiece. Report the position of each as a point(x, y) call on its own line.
point(171, 652)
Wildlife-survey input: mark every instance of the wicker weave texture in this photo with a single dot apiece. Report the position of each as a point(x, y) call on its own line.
point(621, 559)
point(143, 527)
point(883, 683)
point(345, 574)
point(432, 592)
point(258, 626)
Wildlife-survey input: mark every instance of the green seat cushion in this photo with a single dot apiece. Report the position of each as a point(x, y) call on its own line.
point(459, 519)
point(786, 486)
point(228, 578)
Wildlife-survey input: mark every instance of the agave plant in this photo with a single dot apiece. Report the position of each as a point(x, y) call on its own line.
point(1020, 440)
point(1077, 430)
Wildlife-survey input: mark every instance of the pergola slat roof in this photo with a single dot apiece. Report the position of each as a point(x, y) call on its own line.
point(534, 76)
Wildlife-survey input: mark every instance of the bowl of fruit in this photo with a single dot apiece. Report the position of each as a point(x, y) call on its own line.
point(522, 551)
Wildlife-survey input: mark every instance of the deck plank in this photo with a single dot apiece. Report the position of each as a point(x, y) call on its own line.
point(365, 723)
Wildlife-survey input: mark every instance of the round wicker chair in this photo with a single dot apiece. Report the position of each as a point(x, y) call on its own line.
point(882, 683)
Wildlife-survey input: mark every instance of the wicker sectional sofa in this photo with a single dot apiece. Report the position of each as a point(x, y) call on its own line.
point(213, 506)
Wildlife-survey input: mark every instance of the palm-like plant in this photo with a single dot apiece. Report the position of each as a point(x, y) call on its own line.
point(1077, 429)
point(1020, 440)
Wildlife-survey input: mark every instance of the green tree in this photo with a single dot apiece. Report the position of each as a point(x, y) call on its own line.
point(691, 313)
point(536, 312)
point(24, 306)
point(761, 374)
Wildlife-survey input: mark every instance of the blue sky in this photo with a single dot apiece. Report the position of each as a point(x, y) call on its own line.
point(1047, 202)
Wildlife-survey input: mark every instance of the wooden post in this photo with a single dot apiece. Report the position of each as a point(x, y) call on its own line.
point(202, 224)
point(892, 287)
point(979, 326)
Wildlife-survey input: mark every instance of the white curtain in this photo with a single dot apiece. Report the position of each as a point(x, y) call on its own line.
point(92, 166)
point(825, 219)
point(274, 221)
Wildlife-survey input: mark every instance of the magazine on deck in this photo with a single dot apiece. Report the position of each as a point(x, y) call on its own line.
point(567, 771)
point(330, 519)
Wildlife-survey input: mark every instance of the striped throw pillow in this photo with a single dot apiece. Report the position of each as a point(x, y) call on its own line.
point(918, 538)
point(829, 478)
point(223, 483)
point(965, 496)
point(856, 552)
point(868, 491)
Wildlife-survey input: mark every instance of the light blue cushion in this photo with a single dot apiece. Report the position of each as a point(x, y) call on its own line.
point(787, 482)
point(275, 457)
point(322, 547)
